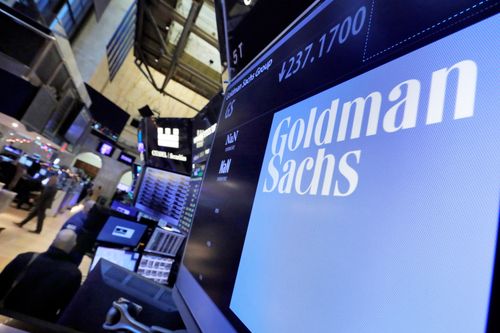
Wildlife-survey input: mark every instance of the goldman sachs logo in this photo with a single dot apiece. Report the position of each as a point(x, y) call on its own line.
point(168, 137)
point(316, 172)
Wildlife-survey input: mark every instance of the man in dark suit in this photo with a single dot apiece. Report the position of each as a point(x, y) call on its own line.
point(41, 284)
point(44, 202)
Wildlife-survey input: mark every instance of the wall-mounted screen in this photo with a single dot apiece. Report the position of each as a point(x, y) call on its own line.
point(13, 150)
point(353, 183)
point(126, 158)
point(105, 148)
point(109, 116)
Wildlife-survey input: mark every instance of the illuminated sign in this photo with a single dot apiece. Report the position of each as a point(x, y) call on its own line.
point(168, 137)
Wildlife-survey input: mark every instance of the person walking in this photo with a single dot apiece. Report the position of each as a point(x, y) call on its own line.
point(44, 202)
point(41, 284)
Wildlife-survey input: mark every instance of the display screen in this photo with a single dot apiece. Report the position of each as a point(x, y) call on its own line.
point(126, 158)
point(111, 118)
point(13, 150)
point(166, 143)
point(166, 242)
point(122, 232)
point(25, 160)
point(353, 183)
point(156, 268)
point(105, 149)
point(123, 208)
point(163, 194)
point(246, 19)
point(125, 259)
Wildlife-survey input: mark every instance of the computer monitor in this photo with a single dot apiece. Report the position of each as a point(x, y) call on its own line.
point(120, 257)
point(121, 232)
point(25, 160)
point(165, 241)
point(353, 183)
point(163, 194)
point(123, 208)
point(155, 267)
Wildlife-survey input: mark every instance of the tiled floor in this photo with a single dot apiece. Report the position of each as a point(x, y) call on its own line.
point(14, 240)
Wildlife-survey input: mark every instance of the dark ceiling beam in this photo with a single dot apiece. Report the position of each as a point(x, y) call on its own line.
point(143, 61)
point(194, 29)
point(140, 63)
point(181, 43)
point(140, 22)
point(157, 30)
point(182, 66)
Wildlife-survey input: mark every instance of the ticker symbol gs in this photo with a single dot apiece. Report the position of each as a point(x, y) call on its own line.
point(229, 109)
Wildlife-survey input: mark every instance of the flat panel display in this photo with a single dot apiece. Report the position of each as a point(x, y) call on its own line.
point(13, 150)
point(107, 113)
point(166, 143)
point(105, 148)
point(16, 94)
point(353, 183)
point(163, 194)
point(126, 158)
point(165, 242)
point(123, 208)
point(154, 267)
point(246, 19)
point(123, 258)
point(121, 232)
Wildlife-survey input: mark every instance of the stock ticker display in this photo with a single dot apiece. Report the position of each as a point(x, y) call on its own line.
point(358, 151)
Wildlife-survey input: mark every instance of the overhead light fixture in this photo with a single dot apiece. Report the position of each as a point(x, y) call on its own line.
point(15, 125)
point(38, 138)
point(11, 133)
point(156, 60)
point(167, 27)
point(247, 2)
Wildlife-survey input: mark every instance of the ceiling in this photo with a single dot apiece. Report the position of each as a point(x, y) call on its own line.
point(178, 38)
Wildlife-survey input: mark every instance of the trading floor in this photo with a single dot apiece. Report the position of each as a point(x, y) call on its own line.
point(14, 240)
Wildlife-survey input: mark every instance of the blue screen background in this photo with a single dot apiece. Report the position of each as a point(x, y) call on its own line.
point(412, 249)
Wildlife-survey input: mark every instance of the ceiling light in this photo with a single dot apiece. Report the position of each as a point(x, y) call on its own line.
point(167, 27)
point(11, 133)
point(247, 2)
point(38, 138)
point(156, 60)
point(15, 125)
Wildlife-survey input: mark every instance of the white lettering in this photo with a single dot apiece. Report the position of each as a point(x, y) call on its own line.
point(361, 115)
point(410, 109)
point(464, 98)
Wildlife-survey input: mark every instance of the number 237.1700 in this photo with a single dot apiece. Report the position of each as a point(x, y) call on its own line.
point(340, 33)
